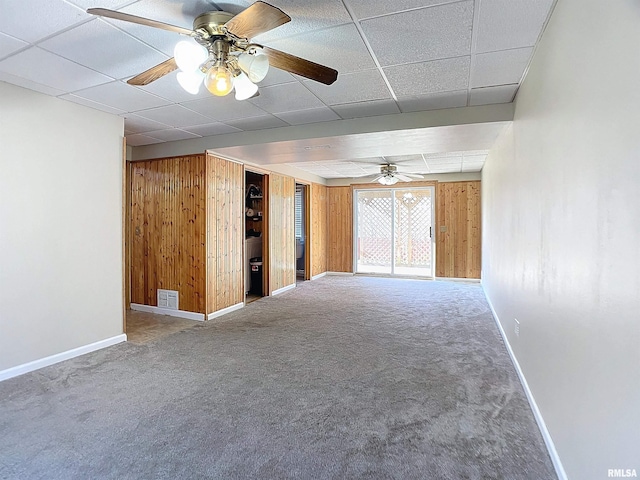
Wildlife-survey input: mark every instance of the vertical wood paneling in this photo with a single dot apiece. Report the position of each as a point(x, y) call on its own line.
point(225, 233)
point(339, 229)
point(281, 231)
point(318, 229)
point(168, 230)
point(458, 213)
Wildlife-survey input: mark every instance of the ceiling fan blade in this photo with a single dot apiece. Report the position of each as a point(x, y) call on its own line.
point(256, 19)
point(413, 175)
point(125, 17)
point(377, 177)
point(300, 66)
point(154, 73)
point(402, 177)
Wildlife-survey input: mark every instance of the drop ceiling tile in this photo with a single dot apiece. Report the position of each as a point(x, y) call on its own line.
point(436, 162)
point(445, 169)
point(275, 77)
point(172, 134)
point(168, 88)
point(136, 124)
point(174, 116)
point(122, 96)
point(427, 34)
point(472, 167)
point(434, 101)
point(374, 8)
point(499, 68)
point(180, 13)
point(61, 74)
point(349, 88)
point(341, 48)
point(473, 158)
point(430, 77)
point(312, 115)
point(211, 129)
point(406, 160)
point(91, 104)
point(366, 109)
point(112, 4)
point(156, 38)
point(224, 108)
point(505, 24)
point(137, 140)
point(104, 48)
point(287, 97)
point(8, 45)
point(489, 95)
point(257, 123)
point(24, 83)
point(305, 17)
point(32, 20)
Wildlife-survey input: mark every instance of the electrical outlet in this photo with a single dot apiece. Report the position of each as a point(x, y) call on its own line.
point(516, 327)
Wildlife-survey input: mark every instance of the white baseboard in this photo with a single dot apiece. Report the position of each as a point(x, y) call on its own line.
point(350, 274)
point(462, 280)
point(320, 275)
point(283, 289)
point(60, 357)
point(224, 311)
point(553, 453)
point(166, 311)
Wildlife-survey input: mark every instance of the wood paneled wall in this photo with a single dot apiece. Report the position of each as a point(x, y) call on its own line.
point(281, 235)
point(225, 233)
point(318, 229)
point(168, 230)
point(339, 229)
point(458, 233)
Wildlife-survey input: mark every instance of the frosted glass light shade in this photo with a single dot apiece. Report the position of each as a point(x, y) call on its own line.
point(189, 55)
point(388, 180)
point(255, 66)
point(245, 88)
point(190, 81)
point(219, 81)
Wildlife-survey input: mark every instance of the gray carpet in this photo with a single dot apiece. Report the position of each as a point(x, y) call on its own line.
point(343, 377)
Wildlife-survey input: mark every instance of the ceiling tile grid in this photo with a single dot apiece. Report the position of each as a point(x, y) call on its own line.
point(392, 57)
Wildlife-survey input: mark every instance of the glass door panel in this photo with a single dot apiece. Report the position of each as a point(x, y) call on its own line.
point(374, 249)
point(412, 232)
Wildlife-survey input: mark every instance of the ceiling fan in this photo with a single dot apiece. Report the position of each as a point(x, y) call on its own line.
point(220, 53)
point(389, 175)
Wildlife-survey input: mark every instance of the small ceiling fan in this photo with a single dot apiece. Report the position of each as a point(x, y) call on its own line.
point(389, 175)
point(221, 54)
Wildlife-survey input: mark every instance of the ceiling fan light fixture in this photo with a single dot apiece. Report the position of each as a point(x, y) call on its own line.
point(255, 66)
point(245, 88)
point(219, 80)
point(190, 81)
point(189, 55)
point(387, 179)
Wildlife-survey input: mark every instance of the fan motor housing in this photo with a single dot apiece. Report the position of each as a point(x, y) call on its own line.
point(212, 22)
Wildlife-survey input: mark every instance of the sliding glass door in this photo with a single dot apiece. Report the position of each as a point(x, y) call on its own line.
point(394, 231)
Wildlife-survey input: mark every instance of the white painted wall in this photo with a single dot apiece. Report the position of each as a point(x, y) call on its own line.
point(561, 233)
point(60, 226)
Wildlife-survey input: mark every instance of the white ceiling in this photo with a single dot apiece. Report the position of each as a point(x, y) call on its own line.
point(392, 57)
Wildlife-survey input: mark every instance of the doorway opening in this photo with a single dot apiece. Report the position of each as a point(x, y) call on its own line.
point(394, 231)
point(255, 220)
point(301, 229)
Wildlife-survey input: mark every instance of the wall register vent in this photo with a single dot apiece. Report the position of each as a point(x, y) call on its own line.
point(168, 299)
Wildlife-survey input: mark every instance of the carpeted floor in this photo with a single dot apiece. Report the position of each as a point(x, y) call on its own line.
point(343, 377)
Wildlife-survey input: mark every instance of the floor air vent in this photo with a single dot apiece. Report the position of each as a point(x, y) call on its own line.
point(168, 299)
